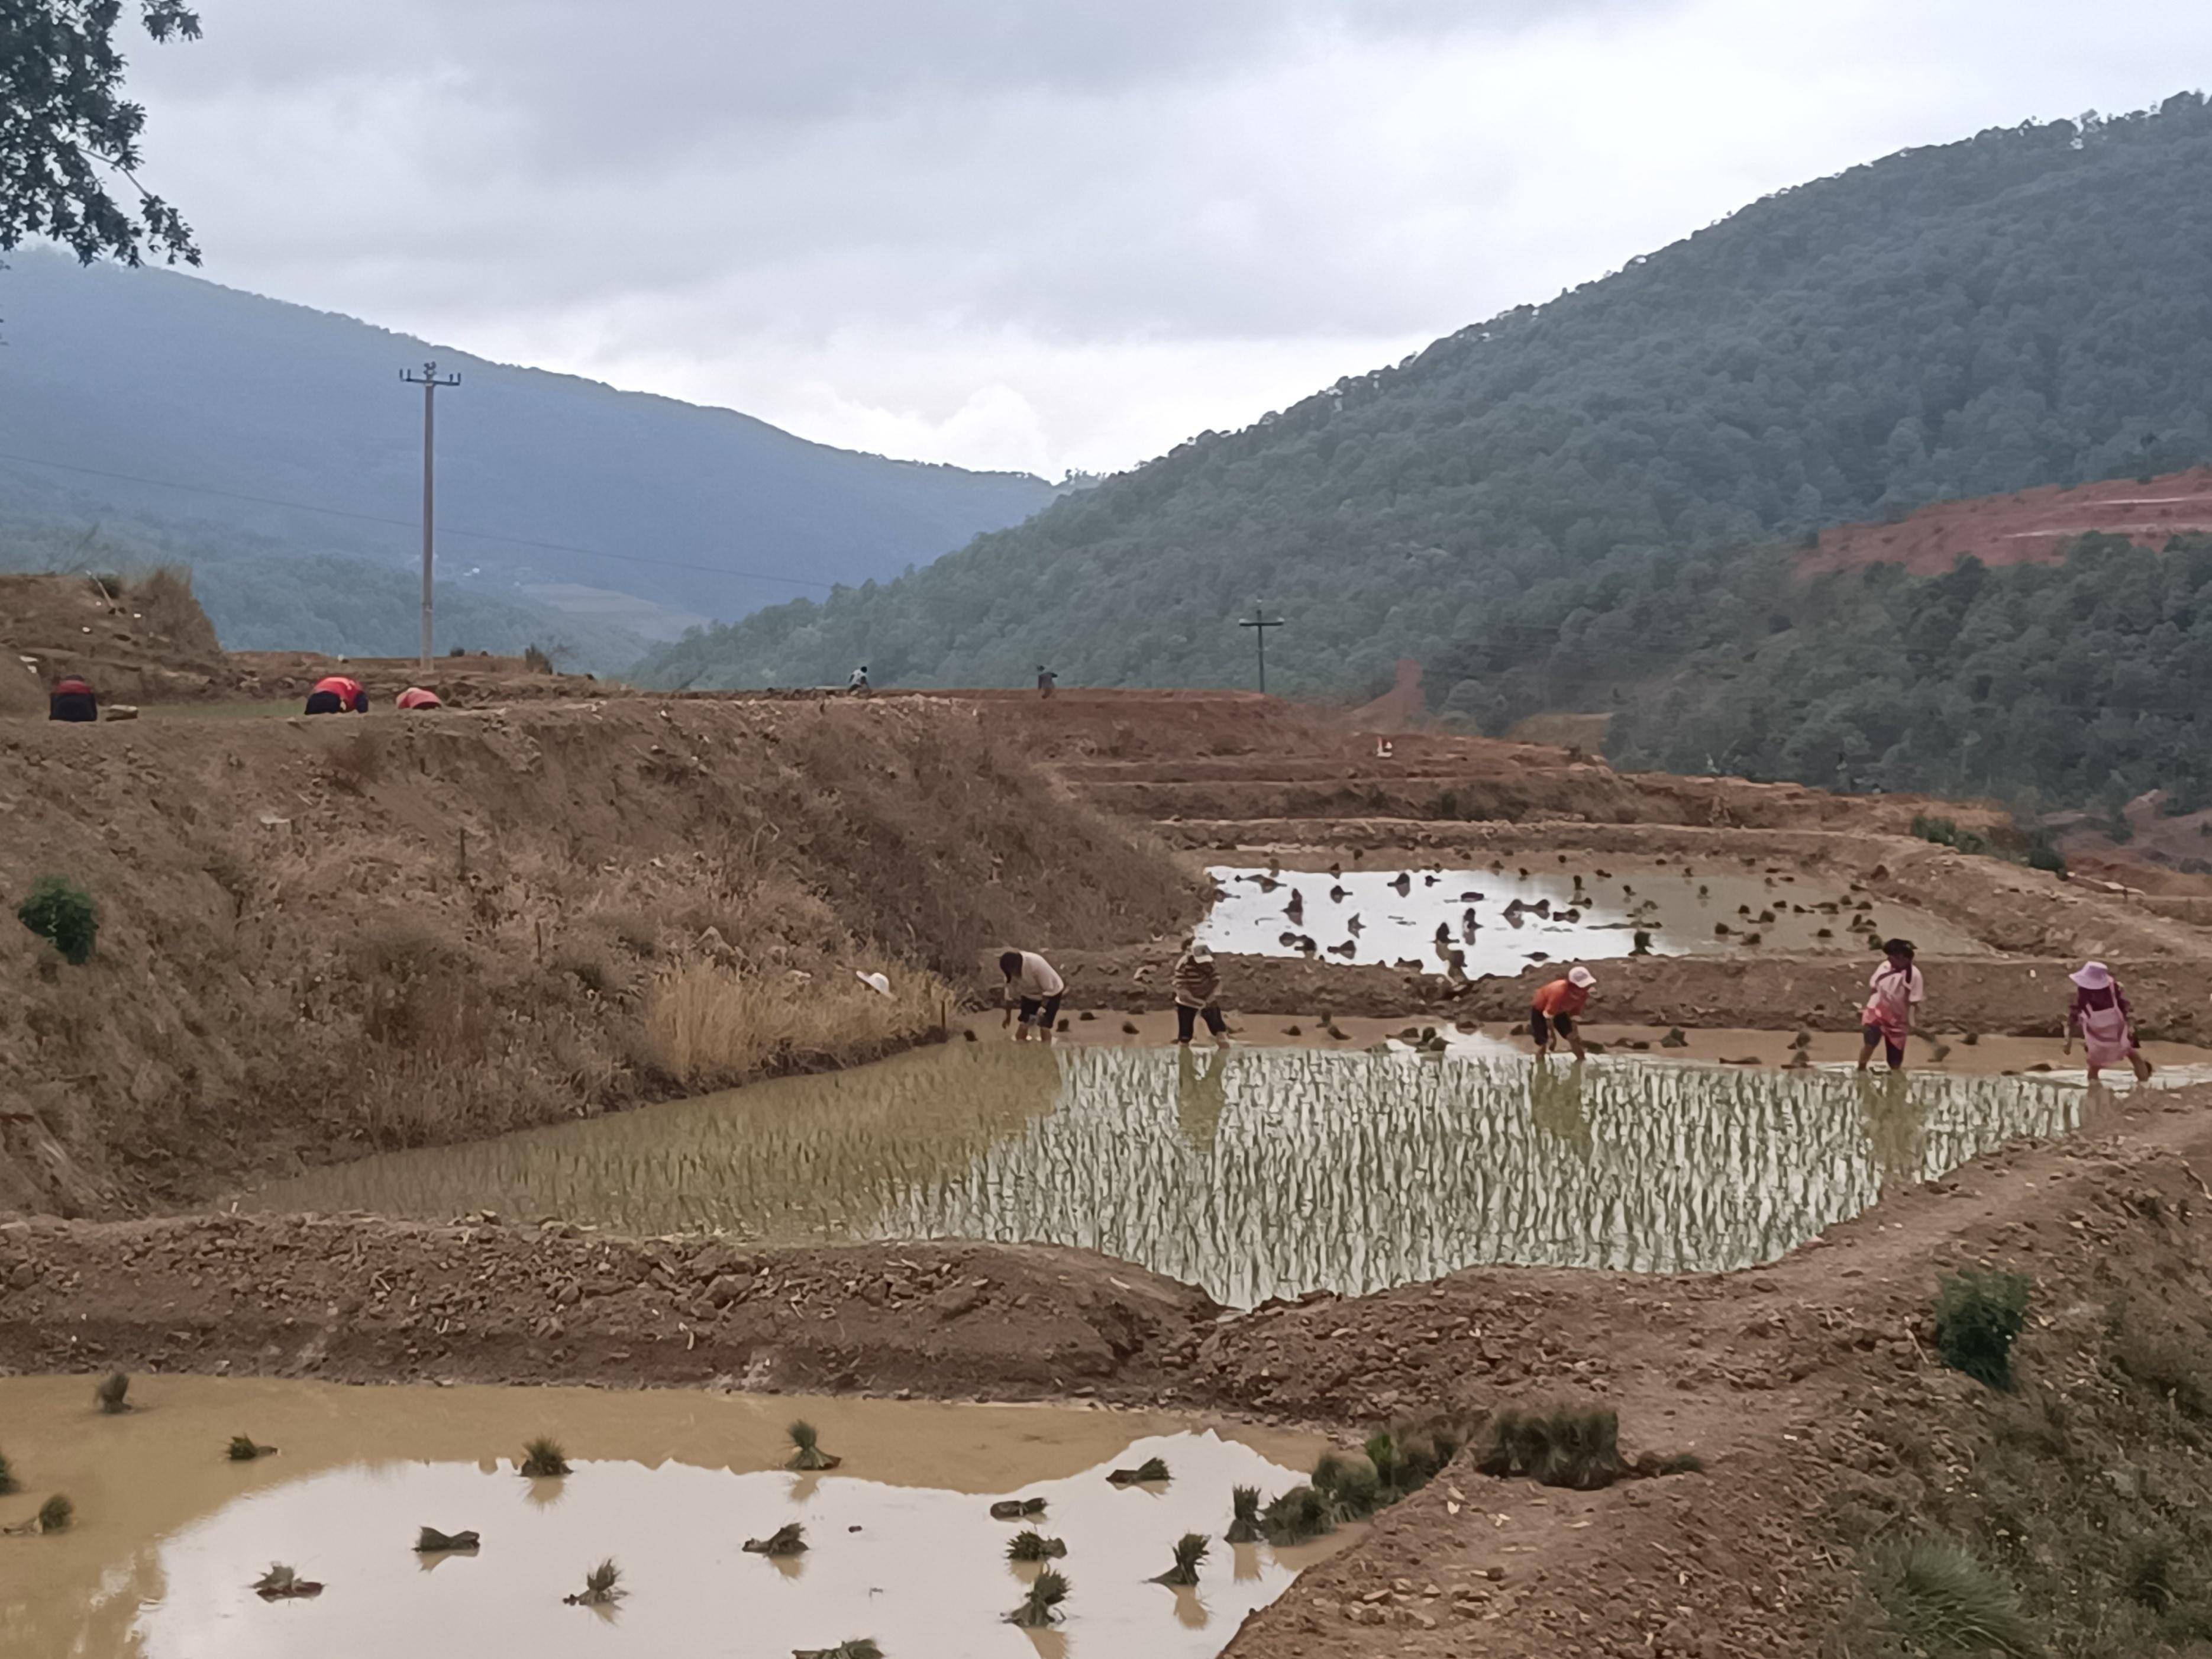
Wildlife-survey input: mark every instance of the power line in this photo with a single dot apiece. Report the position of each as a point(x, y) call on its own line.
point(404, 524)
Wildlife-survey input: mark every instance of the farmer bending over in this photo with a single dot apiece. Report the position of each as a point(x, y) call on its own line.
point(1033, 987)
point(2100, 1012)
point(1198, 994)
point(1887, 1020)
point(1556, 1008)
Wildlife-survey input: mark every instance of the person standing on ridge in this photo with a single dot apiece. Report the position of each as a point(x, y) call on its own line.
point(1887, 1020)
point(1555, 1008)
point(1034, 990)
point(2100, 1012)
point(1046, 680)
point(1198, 994)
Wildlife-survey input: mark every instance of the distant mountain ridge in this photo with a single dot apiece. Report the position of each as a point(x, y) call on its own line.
point(2031, 306)
point(153, 375)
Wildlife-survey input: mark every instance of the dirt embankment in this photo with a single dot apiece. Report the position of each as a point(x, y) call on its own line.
point(1831, 1435)
point(322, 936)
point(142, 639)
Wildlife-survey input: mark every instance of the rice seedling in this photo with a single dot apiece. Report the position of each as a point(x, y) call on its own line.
point(601, 1587)
point(1296, 1516)
point(1029, 1545)
point(244, 1451)
point(807, 1453)
point(860, 1647)
point(789, 1539)
point(1017, 1509)
point(1978, 1314)
point(1041, 1606)
point(430, 1541)
point(54, 1516)
point(281, 1583)
point(108, 1394)
point(1352, 1489)
point(543, 1459)
point(8, 1481)
point(1153, 1471)
point(1190, 1550)
point(1945, 1601)
point(1244, 1516)
point(1578, 1448)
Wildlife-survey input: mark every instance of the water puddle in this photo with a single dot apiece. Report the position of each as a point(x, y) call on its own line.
point(1255, 1172)
point(1504, 918)
point(169, 1536)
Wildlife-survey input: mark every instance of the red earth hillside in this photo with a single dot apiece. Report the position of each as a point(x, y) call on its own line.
point(2031, 526)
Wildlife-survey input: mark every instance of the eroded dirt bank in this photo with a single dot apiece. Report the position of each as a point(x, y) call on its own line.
point(1810, 1388)
point(323, 936)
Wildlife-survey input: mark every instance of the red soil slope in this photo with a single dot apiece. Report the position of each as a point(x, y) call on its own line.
point(2030, 527)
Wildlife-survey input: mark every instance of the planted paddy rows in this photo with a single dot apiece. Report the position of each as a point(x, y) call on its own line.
point(1259, 1173)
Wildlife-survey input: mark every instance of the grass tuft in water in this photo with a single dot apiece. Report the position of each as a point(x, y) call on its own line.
point(807, 1453)
point(1153, 1471)
point(430, 1541)
point(281, 1583)
point(1041, 1606)
point(1944, 1600)
point(601, 1587)
point(109, 1394)
point(860, 1647)
point(1575, 1448)
point(543, 1459)
point(1296, 1516)
point(8, 1481)
point(1244, 1516)
point(243, 1449)
point(789, 1539)
point(1031, 1545)
point(1978, 1314)
point(1190, 1550)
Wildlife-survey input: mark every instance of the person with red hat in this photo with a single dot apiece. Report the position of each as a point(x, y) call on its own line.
point(72, 699)
point(2100, 1012)
point(334, 694)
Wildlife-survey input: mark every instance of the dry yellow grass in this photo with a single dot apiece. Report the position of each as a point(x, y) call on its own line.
point(709, 1024)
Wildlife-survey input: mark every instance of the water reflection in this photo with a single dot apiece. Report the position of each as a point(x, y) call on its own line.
point(1256, 1173)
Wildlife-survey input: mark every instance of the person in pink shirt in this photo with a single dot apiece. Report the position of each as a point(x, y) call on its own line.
point(1887, 1020)
point(2100, 1012)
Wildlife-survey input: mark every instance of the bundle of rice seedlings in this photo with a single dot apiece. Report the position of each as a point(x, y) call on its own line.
point(543, 1459)
point(601, 1587)
point(430, 1541)
point(54, 1515)
point(789, 1539)
point(1029, 1545)
point(1040, 1608)
point(243, 1450)
point(281, 1583)
point(1017, 1509)
point(1244, 1516)
point(1189, 1550)
point(109, 1393)
point(1382, 1451)
point(808, 1453)
point(1352, 1489)
point(1296, 1516)
point(860, 1647)
point(1578, 1448)
point(1152, 1471)
point(8, 1481)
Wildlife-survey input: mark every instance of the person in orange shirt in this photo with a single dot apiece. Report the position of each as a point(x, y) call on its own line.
point(1557, 1006)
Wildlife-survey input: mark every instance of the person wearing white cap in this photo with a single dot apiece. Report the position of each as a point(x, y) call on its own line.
point(2100, 1012)
point(1555, 1008)
point(1198, 994)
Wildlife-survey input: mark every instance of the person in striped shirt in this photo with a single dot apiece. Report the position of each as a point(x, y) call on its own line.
point(1198, 994)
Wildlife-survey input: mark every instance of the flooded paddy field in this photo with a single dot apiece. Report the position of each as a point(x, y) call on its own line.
point(1579, 907)
point(1252, 1172)
point(169, 1536)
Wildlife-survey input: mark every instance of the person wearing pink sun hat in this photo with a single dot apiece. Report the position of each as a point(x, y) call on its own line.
point(2100, 1012)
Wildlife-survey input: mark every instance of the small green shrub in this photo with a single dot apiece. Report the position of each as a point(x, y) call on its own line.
point(1978, 1314)
point(1945, 1601)
point(1944, 832)
point(62, 913)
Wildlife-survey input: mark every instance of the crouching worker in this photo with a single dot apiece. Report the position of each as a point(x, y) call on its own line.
point(2100, 1012)
point(72, 699)
point(1034, 990)
point(1557, 1006)
point(335, 694)
point(1198, 994)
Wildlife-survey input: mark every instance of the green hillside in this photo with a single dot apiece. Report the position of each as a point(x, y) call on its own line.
point(1554, 502)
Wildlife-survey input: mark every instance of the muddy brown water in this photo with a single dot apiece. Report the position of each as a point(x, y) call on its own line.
point(1252, 1172)
point(1595, 906)
point(169, 1535)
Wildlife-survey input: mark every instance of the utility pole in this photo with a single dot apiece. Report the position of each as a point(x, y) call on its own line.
point(1260, 624)
point(430, 379)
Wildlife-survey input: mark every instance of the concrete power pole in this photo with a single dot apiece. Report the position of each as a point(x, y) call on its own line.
point(430, 379)
point(1260, 624)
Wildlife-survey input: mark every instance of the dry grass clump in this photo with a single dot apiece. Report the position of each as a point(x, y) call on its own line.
point(164, 600)
point(1944, 1600)
point(353, 763)
point(708, 1023)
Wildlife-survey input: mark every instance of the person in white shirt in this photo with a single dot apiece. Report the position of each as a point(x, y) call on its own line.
point(1887, 1020)
point(858, 685)
point(1035, 989)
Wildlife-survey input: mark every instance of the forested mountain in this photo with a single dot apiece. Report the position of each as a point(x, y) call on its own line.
point(109, 377)
point(1558, 498)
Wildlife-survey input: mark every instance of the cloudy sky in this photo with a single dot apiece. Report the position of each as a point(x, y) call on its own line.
point(1045, 233)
